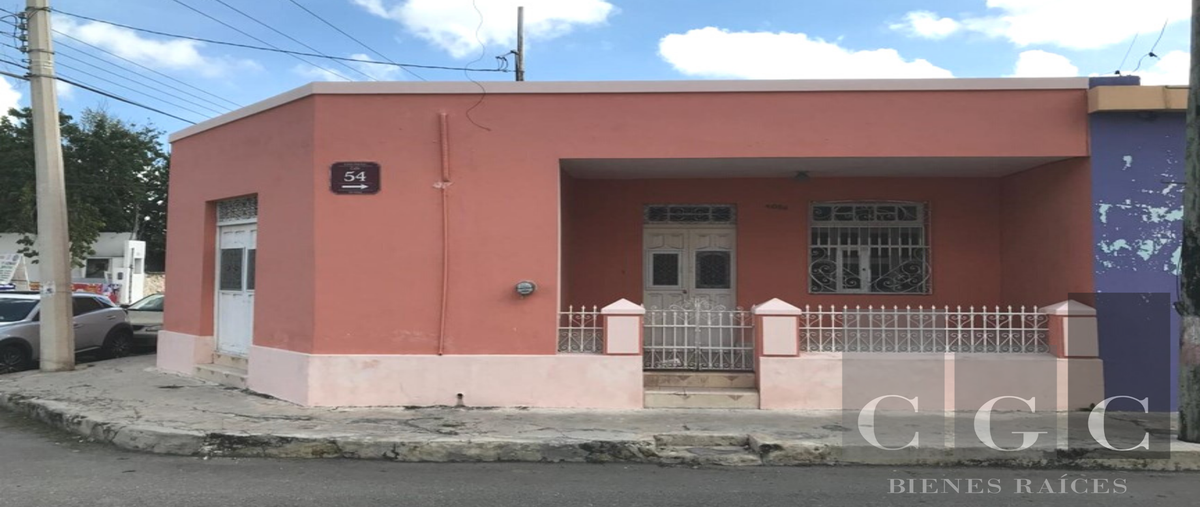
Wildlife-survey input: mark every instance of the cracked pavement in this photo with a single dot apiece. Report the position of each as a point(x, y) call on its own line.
point(131, 405)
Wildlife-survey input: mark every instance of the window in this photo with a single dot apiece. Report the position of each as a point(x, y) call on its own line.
point(251, 254)
point(12, 310)
point(153, 303)
point(85, 304)
point(232, 268)
point(96, 268)
point(712, 270)
point(664, 269)
point(872, 248)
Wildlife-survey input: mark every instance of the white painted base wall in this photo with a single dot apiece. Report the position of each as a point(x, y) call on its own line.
point(551, 381)
point(955, 381)
point(180, 353)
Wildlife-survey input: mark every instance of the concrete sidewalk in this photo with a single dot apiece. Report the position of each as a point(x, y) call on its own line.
point(130, 405)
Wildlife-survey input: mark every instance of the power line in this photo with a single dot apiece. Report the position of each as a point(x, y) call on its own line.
point(351, 37)
point(121, 99)
point(114, 83)
point(1153, 47)
point(127, 78)
point(274, 50)
point(293, 39)
point(260, 41)
point(110, 53)
point(1127, 50)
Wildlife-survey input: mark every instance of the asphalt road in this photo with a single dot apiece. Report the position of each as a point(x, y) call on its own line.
point(40, 466)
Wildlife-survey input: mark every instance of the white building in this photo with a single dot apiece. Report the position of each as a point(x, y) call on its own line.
point(117, 260)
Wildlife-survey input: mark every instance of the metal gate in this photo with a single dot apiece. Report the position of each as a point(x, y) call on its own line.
point(698, 335)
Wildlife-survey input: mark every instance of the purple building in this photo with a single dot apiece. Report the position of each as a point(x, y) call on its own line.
point(1137, 147)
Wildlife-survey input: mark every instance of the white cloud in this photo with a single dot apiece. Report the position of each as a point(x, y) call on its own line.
point(713, 52)
point(66, 91)
point(1171, 69)
point(379, 72)
point(927, 25)
point(1073, 24)
point(316, 74)
point(451, 24)
point(10, 96)
point(1038, 63)
point(175, 54)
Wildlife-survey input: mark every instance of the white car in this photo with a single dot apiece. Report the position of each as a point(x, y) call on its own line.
point(99, 325)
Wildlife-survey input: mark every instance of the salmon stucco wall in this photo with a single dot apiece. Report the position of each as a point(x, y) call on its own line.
point(604, 257)
point(363, 274)
point(268, 154)
point(1046, 230)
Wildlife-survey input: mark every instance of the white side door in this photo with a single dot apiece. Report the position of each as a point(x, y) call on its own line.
point(236, 258)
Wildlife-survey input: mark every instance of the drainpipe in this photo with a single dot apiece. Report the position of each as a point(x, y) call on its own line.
point(444, 186)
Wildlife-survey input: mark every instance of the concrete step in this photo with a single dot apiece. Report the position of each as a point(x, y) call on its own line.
point(709, 456)
point(235, 362)
point(224, 375)
point(699, 379)
point(700, 397)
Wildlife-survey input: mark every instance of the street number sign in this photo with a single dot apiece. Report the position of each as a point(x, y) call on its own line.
point(354, 178)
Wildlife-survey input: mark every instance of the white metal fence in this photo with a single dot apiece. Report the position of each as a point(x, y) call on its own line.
point(943, 329)
point(699, 336)
point(580, 331)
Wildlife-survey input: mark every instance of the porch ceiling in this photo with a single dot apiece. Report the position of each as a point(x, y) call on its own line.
point(639, 168)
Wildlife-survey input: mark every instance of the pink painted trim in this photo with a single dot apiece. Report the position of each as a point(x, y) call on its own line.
point(181, 352)
point(547, 381)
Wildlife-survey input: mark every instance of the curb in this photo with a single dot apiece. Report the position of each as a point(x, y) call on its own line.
point(691, 449)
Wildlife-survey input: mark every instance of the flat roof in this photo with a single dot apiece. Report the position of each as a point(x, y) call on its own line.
point(594, 87)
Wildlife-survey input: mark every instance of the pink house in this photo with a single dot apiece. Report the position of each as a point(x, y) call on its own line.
point(686, 243)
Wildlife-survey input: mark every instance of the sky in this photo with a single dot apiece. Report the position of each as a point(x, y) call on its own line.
point(568, 40)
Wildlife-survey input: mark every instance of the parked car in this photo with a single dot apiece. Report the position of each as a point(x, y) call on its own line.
point(99, 325)
point(146, 317)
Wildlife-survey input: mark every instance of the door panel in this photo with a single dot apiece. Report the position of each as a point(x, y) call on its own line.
point(91, 324)
point(666, 267)
point(692, 321)
point(236, 256)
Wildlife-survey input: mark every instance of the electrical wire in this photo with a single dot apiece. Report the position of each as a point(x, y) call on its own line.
point(274, 50)
point(1153, 47)
point(121, 99)
point(114, 83)
point(260, 41)
point(110, 53)
point(293, 39)
point(1126, 57)
point(351, 37)
point(67, 55)
point(482, 52)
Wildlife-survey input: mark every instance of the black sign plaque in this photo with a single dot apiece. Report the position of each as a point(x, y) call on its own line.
point(354, 178)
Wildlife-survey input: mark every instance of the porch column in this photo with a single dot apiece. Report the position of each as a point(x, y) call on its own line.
point(777, 328)
point(1072, 329)
point(623, 328)
point(1075, 341)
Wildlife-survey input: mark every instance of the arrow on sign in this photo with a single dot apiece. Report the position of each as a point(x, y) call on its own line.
point(359, 186)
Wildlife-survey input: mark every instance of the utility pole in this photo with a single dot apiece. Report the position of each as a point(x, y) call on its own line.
point(57, 351)
point(520, 43)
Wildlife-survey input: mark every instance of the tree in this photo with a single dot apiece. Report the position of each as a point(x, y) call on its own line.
point(115, 174)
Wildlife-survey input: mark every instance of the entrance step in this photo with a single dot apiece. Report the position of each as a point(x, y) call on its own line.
point(656, 379)
point(235, 362)
point(700, 397)
point(224, 375)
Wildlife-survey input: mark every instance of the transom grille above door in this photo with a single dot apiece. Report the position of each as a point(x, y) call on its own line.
point(690, 214)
